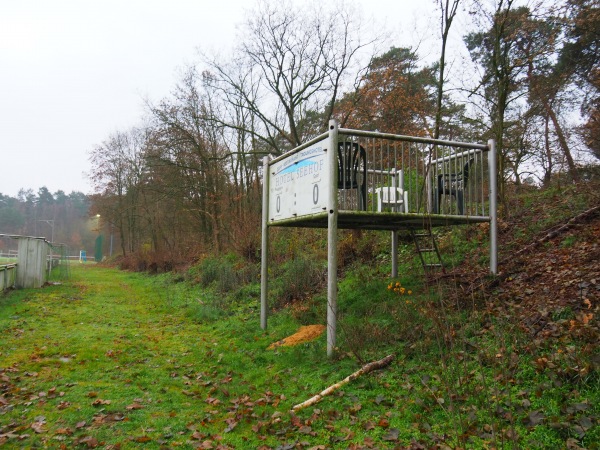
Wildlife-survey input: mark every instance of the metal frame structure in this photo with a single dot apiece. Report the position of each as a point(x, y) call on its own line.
point(412, 168)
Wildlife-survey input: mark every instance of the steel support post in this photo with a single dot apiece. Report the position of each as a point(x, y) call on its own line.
point(264, 253)
point(493, 167)
point(332, 223)
point(428, 190)
point(395, 233)
point(394, 254)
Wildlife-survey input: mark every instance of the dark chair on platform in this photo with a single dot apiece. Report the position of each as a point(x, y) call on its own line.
point(453, 184)
point(352, 170)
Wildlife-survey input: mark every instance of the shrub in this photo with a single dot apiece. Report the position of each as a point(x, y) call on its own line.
point(227, 273)
point(300, 278)
point(219, 271)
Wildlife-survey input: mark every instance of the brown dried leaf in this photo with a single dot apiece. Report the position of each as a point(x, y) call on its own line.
point(88, 441)
point(294, 419)
point(534, 418)
point(391, 435)
point(231, 425)
point(64, 431)
point(213, 401)
point(198, 436)
point(368, 426)
point(369, 442)
point(38, 427)
point(134, 406)
point(384, 423)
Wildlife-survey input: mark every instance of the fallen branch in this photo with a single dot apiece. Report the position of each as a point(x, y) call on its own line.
point(375, 365)
point(552, 234)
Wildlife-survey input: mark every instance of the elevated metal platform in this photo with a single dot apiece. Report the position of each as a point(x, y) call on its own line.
point(354, 179)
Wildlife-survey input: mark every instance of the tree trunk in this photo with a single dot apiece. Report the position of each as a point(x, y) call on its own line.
point(562, 140)
point(548, 168)
point(447, 18)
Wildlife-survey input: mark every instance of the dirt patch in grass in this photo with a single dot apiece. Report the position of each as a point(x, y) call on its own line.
point(306, 333)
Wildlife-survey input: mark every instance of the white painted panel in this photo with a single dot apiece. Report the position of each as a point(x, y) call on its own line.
point(298, 185)
point(32, 253)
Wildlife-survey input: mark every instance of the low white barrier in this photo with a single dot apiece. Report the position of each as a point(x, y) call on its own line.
point(8, 276)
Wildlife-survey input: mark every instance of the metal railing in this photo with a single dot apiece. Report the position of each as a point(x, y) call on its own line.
point(434, 176)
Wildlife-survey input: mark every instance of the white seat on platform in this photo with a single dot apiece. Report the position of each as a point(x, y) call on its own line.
point(395, 198)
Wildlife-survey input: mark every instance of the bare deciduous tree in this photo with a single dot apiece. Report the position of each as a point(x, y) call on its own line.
point(448, 10)
point(117, 173)
point(291, 63)
point(188, 154)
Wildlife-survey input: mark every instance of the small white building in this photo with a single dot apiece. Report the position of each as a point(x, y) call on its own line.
point(32, 263)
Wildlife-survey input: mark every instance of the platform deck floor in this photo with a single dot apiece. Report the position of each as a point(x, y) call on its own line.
point(381, 220)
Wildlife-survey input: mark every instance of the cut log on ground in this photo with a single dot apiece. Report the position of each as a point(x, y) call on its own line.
point(375, 365)
point(553, 233)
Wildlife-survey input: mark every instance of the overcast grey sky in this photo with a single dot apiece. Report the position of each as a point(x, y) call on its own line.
point(72, 72)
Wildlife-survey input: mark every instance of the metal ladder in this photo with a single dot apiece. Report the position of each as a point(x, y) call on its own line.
point(428, 251)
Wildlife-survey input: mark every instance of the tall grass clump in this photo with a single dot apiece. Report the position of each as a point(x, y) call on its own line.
point(216, 285)
point(298, 278)
point(226, 273)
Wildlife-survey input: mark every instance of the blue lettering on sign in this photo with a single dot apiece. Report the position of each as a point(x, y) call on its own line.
point(300, 169)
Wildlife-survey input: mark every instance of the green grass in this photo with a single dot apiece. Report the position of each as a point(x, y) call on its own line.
point(90, 350)
point(112, 358)
point(8, 260)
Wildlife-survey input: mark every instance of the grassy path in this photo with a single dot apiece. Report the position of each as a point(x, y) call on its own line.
point(115, 360)
point(112, 358)
point(96, 359)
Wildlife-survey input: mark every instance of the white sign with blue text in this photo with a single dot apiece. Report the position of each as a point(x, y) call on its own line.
point(298, 185)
